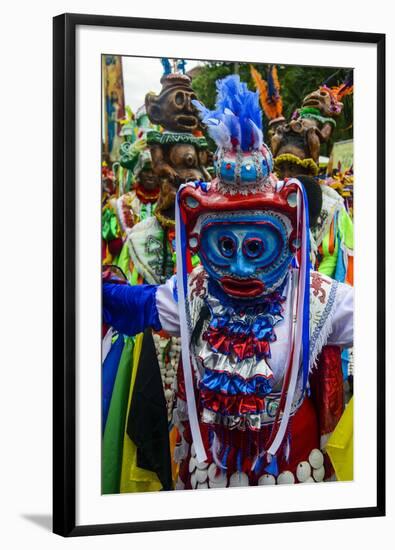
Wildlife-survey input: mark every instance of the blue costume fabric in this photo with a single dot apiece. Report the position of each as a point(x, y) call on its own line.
point(130, 309)
point(109, 373)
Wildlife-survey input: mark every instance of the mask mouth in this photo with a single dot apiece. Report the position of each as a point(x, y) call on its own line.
point(242, 288)
point(311, 102)
point(188, 121)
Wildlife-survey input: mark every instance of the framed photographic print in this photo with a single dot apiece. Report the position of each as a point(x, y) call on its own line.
point(219, 274)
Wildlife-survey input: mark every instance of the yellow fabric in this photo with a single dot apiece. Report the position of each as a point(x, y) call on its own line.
point(345, 231)
point(108, 259)
point(123, 261)
point(173, 436)
point(133, 478)
point(340, 446)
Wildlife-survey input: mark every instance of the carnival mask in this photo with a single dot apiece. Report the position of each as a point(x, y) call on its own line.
point(248, 255)
point(325, 101)
point(173, 108)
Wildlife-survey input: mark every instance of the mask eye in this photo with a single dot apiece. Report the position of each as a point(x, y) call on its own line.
point(253, 247)
point(179, 99)
point(227, 246)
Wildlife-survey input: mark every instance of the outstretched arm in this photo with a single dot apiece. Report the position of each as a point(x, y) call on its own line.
point(131, 309)
point(342, 322)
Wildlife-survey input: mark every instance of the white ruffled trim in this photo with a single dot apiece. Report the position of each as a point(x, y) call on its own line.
point(325, 317)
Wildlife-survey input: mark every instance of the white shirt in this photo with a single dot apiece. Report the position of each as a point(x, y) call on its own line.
point(341, 333)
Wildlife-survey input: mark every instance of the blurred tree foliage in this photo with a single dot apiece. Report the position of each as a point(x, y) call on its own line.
point(296, 82)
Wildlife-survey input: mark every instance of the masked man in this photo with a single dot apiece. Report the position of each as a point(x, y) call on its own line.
point(252, 406)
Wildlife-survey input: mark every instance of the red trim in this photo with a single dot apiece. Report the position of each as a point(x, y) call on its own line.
point(232, 404)
point(214, 201)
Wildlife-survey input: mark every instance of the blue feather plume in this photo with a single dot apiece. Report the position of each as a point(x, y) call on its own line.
point(166, 65)
point(237, 118)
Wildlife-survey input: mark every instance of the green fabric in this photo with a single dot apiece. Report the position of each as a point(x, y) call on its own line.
point(134, 276)
point(129, 181)
point(309, 111)
point(115, 425)
point(143, 211)
point(329, 261)
point(319, 118)
point(346, 229)
point(129, 155)
point(109, 225)
point(123, 260)
point(169, 138)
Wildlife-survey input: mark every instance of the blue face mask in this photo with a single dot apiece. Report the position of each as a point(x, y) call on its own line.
point(248, 256)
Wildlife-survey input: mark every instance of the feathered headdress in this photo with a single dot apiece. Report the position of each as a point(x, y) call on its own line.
point(344, 89)
point(236, 122)
point(236, 127)
point(337, 93)
point(269, 92)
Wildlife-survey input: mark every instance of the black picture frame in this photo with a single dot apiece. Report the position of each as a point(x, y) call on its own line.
point(64, 273)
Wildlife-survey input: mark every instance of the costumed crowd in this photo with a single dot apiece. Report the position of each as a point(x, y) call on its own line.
point(227, 288)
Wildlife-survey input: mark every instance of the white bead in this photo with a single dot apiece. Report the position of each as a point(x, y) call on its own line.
point(217, 478)
point(319, 474)
point(201, 475)
point(309, 480)
point(303, 471)
point(168, 394)
point(316, 458)
point(193, 242)
point(285, 478)
point(202, 485)
point(169, 379)
point(192, 465)
point(213, 471)
point(292, 199)
point(180, 485)
point(218, 484)
point(238, 479)
point(193, 481)
point(267, 479)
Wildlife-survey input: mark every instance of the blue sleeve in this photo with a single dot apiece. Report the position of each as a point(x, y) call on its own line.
point(130, 309)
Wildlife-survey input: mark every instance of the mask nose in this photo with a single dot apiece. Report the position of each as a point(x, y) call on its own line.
point(240, 266)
